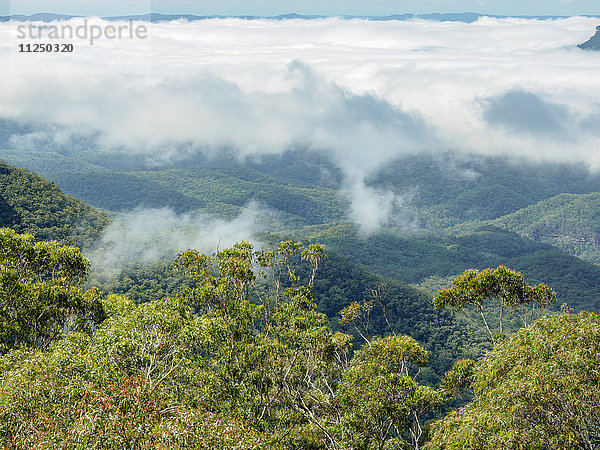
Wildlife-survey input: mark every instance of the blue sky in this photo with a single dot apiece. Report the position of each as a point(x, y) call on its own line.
point(328, 7)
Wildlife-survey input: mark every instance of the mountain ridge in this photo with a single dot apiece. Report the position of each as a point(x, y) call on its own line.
point(465, 17)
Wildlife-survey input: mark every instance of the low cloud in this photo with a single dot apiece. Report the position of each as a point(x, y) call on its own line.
point(531, 115)
point(363, 93)
point(527, 112)
point(146, 236)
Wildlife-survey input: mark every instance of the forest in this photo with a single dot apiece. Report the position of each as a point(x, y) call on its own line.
point(305, 341)
point(241, 358)
point(301, 225)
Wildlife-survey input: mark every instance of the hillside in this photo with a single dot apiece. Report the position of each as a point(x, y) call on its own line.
point(451, 196)
point(105, 190)
point(570, 222)
point(417, 257)
point(450, 189)
point(441, 190)
point(31, 204)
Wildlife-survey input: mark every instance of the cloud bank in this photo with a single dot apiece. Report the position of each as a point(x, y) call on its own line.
point(364, 93)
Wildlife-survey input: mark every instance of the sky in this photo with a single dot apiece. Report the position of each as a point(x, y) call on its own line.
point(326, 7)
point(363, 93)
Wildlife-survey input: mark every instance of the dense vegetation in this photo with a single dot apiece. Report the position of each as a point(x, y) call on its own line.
point(216, 354)
point(453, 188)
point(30, 204)
point(241, 358)
point(210, 367)
point(340, 282)
point(567, 221)
point(451, 203)
point(39, 297)
point(449, 199)
point(417, 257)
point(442, 190)
point(538, 389)
point(222, 190)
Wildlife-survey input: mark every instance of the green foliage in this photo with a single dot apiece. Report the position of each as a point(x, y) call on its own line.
point(381, 402)
point(566, 221)
point(63, 398)
point(229, 363)
point(222, 190)
point(303, 191)
point(506, 288)
point(38, 293)
point(271, 359)
point(445, 189)
point(142, 282)
point(451, 188)
point(538, 389)
point(247, 356)
point(576, 282)
point(105, 190)
point(30, 204)
point(409, 311)
point(414, 258)
point(359, 315)
point(459, 378)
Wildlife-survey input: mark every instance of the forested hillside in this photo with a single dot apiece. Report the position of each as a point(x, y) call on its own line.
point(568, 221)
point(451, 188)
point(442, 190)
point(31, 204)
point(415, 257)
point(215, 354)
point(442, 229)
point(341, 279)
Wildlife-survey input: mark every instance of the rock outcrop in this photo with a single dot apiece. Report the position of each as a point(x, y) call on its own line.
point(593, 43)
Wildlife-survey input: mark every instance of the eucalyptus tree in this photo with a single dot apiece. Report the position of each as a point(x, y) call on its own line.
point(539, 389)
point(39, 293)
point(499, 291)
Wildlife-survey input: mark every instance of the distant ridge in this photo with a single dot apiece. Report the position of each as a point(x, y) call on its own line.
point(38, 17)
point(466, 17)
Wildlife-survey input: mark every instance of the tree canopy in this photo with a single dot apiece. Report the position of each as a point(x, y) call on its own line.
point(539, 389)
point(39, 296)
point(31, 204)
point(505, 288)
point(242, 358)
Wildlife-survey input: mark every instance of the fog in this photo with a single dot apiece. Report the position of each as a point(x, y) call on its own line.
point(145, 236)
point(363, 93)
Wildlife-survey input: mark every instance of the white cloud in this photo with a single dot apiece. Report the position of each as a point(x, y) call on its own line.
point(145, 236)
point(364, 92)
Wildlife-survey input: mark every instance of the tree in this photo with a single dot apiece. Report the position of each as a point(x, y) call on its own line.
point(275, 360)
point(381, 402)
point(539, 389)
point(39, 297)
point(235, 361)
point(68, 397)
point(504, 287)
